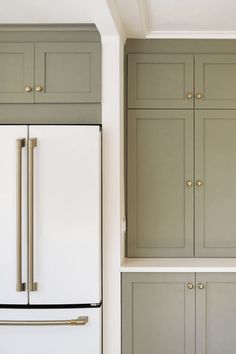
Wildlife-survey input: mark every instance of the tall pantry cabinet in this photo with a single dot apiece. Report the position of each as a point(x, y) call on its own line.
point(181, 194)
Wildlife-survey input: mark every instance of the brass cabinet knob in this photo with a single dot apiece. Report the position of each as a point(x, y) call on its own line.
point(28, 89)
point(201, 286)
point(199, 183)
point(38, 88)
point(190, 286)
point(199, 95)
point(189, 183)
point(189, 95)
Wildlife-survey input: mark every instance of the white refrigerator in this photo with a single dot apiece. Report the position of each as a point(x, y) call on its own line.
point(50, 239)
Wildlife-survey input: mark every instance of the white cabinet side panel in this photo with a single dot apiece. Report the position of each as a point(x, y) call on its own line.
point(8, 136)
point(67, 222)
point(84, 339)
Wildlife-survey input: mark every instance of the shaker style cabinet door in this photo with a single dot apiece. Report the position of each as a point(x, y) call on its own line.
point(160, 183)
point(215, 189)
point(160, 81)
point(13, 251)
point(16, 73)
point(215, 313)
point(158, 313)
point(215, 81)
point(51, 338)
point(67, 72)
point(66, 261)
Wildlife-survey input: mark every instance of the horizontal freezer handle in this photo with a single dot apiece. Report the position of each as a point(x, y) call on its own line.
point(80, 321)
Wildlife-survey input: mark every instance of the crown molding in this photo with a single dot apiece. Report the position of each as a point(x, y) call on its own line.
point(192, 34)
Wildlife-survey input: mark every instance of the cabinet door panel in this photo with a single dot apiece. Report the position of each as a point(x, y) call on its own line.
point(84, 339)
point(8, 215)
point(67, 222)
point(68, 72)
point(157, 313)
point(216, 314)
point(16, 72)
point(215, 77)
point(216, 198)
point(160, 80)
point(160, 205)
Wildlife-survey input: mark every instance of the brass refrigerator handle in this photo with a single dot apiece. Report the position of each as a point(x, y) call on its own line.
point(20, 144)
point(32, 143)
point(80, 321)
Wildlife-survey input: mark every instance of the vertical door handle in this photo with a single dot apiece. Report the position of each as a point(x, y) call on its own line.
point(20, 144)
point(32, 143)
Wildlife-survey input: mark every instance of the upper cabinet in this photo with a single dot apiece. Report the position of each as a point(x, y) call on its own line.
point(174, 81)
point(16, 73)
point(50, 72)
point(67, 72)
point(215, 81)
point(160, 81)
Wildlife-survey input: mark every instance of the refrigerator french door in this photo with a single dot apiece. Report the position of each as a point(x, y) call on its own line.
point(50, 233)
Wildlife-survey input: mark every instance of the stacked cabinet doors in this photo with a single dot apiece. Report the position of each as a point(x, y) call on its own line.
point(50, 227)
point(181, 313)
point(50, 72)
point(181, 155)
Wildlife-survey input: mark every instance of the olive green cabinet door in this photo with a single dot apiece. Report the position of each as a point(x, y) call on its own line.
point(67, 72)
point(215, 171)
point(159, 165)
point(158, 313)
point(215, 81)
point(160, 81)
point(216, 313)
point(16, 73)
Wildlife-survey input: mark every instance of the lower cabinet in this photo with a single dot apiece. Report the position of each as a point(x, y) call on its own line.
point(178, 313)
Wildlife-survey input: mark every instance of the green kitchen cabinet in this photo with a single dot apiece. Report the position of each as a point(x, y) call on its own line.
point(176, 197)
point(215, 171)
point(182, 81)
point(16, 72)
point(49, 72)
point(178, 313)
point(159, 171)
point(67, 72)
point(215, 313)
point(160, 80)
point(215, 81)
point(158, 313)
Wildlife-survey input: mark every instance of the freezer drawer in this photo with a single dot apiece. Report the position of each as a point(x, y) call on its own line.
point(59, 335)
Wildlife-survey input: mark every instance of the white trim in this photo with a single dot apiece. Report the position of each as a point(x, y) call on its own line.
point(158, 265)
point(144, 17)
point(191, 34)
point(116, 18)
point(112, 136)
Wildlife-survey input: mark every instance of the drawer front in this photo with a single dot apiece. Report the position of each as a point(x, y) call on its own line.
point(48, 339)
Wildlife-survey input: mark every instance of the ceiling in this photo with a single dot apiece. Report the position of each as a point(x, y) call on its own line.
point(132, 18)
point(60, 11)
point(178, 18)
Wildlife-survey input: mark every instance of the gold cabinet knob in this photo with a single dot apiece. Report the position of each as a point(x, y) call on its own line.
point(201, 286)
point(189, 95)
point(199, 95)
point(189, 183)
point(28, 89)
point(190, 286)
point(38, 88)
point(199, 183)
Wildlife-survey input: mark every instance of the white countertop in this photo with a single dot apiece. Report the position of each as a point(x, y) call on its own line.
point(178, 265)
